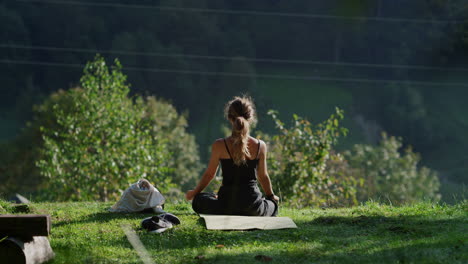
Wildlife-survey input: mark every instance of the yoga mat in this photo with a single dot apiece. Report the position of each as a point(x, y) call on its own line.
point(237, 222)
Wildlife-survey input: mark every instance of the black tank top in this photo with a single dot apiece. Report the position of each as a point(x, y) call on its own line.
point(239, 191)
point(244, 174)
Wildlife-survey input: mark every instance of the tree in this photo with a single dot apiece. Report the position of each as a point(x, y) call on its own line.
point(184, 158)
point(102, 142)
point(390, 175)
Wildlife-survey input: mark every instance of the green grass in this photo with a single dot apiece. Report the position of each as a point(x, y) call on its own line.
point(371, 233)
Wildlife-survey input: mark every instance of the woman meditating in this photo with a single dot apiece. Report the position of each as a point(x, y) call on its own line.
point(243, 161)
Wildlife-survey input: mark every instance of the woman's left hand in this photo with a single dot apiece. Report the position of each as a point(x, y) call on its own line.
point(190, 194)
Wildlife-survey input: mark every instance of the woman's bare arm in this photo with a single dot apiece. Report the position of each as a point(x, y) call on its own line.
point(209, 173)
point(262, 172)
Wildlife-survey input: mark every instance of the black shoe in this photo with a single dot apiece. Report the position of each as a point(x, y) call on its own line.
point(155, 224)
point(170, 218)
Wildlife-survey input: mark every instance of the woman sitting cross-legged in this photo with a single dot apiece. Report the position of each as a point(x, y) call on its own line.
point(243, 162)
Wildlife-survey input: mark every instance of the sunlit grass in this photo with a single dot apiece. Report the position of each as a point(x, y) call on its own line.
point(371, 233)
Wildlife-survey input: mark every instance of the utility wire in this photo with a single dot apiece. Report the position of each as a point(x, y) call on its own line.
point(245, 12)
point(235, 74)
point(227, 58)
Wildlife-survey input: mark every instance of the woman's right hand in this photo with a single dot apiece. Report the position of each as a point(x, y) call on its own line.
point(276, 198)
point(273, 197)
point(190, 194)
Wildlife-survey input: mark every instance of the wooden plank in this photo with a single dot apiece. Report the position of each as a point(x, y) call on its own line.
point(24, 225)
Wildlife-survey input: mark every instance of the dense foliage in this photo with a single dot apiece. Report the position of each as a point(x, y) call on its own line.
point(297, 161)
point(306, 170)
point(36, 35)
point(90, 142)
point(390, 174)
point(93, 141)
point(102, 142)
point(184, 160)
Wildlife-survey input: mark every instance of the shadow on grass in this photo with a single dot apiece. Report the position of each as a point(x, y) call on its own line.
point(333, 232)
point(361, 239)
point(102, 217)
point(412, 226)
point(106, 216)
point(435, 252)
point(64, 255)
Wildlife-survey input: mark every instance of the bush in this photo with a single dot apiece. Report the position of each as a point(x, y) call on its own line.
point(92, 142)
point(101, 140)
point(184, 158)
point(392, 175)
point(298, 159)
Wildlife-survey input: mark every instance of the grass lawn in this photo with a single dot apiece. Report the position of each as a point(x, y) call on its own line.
point(371, 233)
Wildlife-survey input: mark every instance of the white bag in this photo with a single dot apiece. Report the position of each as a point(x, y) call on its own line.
point(138, 197)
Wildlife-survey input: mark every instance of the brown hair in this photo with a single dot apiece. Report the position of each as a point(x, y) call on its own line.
point(241, 112)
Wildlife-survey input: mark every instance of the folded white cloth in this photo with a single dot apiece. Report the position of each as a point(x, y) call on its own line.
point(138, 197)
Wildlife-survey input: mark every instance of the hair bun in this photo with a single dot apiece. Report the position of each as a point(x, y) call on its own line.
point(239, 123)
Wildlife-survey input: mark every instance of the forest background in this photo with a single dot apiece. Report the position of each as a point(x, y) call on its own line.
point(393, 66)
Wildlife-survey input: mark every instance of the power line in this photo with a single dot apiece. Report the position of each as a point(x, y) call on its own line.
point(235, 74)
point(245, 12)
point(210, 57)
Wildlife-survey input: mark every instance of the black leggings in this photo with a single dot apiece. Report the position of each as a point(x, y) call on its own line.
point(208, 203)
